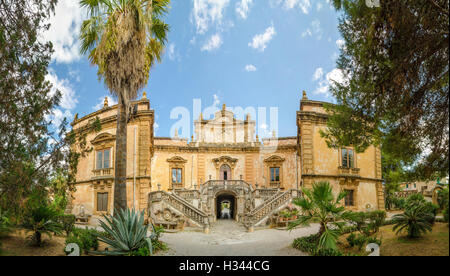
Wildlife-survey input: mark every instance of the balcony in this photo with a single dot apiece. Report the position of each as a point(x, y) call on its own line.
point(177, 186)
point(275, 185)
point(345, 171)
point(103, 173)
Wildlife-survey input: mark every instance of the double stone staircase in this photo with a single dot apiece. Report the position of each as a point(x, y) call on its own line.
point(255, 217)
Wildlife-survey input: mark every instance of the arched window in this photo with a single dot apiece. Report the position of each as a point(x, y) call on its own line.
point(225, 172)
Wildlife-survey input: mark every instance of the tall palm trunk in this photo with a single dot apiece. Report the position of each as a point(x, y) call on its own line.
point(120, 183)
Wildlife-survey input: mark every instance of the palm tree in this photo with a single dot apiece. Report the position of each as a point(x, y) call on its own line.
point(320, 206)
point(124, 39)
point(416, 221)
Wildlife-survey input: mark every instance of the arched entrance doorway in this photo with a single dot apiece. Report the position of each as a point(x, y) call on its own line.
point(225, 172)
point(226, 206)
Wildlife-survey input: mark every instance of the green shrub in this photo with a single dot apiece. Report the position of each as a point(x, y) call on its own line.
point(360, 241)
point(367, 223)
point(376, 220)
point(86, 239)
point(415, 221)
point(141, 252)
point(399, 203)
point(327, 252)
point(5, 224)
point(68, 223)
point(351, 239)
point(374, 240)
point(443, 199)
point(415, 199)
point(307, 244)
point(41, 219)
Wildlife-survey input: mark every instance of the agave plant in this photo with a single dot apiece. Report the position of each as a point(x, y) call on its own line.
point(416, 221)
point(125, 233)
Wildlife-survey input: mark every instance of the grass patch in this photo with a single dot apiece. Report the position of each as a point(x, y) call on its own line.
point(435, 243)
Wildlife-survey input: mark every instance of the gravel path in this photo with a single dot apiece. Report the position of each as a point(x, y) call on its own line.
point(228, 238)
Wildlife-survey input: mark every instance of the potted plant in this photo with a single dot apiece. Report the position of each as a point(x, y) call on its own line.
point(286, 215)
point(294, 214)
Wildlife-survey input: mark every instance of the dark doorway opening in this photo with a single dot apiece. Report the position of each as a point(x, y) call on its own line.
point(225, 201)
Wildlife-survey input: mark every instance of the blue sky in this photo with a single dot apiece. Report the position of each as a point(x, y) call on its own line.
point(247, 53)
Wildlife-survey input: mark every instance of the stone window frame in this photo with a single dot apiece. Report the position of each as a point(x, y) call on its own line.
point(177, 162)
point(102, 150)
point(347, 184)
point(279, 175)
point(225, 160)
point(102, 187)
point(352, 193)
point(355, 163)
point(104, 142)
point(274, 161)
point(97, 194)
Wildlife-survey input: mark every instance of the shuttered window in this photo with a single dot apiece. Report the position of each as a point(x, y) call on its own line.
point(274, 175)
point(103, 159)
point(349, 199)
point(348, 158)
point(102, 202)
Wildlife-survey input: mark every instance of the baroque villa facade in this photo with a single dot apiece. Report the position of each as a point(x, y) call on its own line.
point(187, 182)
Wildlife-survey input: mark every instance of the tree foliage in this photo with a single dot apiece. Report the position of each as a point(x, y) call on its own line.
point(395, 64)
point(32, 151)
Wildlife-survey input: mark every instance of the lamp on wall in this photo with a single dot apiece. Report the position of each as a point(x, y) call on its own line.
point(159, 187)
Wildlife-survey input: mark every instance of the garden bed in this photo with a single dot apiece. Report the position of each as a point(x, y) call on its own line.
point(435, 243)
point(18, 244)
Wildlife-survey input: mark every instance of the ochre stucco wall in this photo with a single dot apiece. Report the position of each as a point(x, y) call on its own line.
point(304, 160)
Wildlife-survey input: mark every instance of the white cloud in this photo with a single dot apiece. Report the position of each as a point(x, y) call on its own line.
point(304, 5)
point(319, 6)
point(216, 100)
point(307, 33)
point(260, 41)
point(318, 74)
point(68, 100)
point(213, 43)
point(208, 12)
point(101, 102)
point(173, 53)
point(68, 97)
point(64, 30)
point(314, 29)
point(243, 8)
point(324, 83)
point(250, 68)
point(340, 43)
